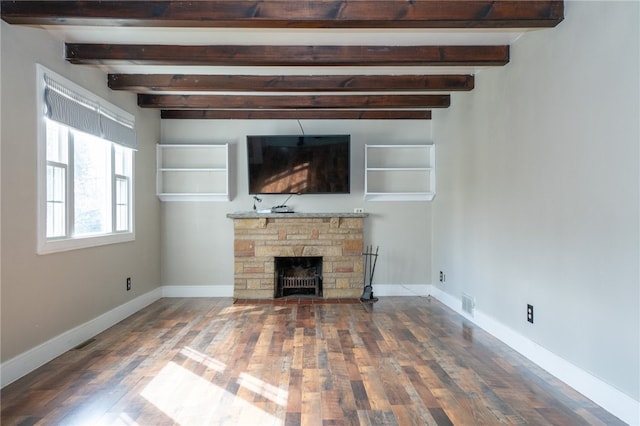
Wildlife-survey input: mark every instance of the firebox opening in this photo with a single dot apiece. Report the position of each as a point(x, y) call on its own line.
point(298, 276)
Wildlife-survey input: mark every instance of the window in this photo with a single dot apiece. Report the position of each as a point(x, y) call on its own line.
point(85, 151)
point(122, 176)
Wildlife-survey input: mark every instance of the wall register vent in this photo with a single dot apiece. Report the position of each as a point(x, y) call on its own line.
point(468, 304)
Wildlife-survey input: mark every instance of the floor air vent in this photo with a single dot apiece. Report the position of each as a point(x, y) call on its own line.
point(468, 304)
point(84, 344)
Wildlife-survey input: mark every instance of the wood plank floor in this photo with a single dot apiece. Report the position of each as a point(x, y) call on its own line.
point(401, 361)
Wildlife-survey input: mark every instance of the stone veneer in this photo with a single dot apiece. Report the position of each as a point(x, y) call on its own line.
point(259, 238)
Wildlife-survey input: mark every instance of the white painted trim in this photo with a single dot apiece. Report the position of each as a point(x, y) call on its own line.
point(611, 399)
point(28, 361)
point(197, 291)
point(420, 290)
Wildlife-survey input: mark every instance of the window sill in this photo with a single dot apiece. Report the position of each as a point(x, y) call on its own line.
point(55, 246)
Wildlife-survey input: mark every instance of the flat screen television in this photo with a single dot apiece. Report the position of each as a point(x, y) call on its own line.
point(290, 164)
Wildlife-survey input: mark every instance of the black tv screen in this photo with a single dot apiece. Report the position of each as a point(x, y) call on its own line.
point(288, 164)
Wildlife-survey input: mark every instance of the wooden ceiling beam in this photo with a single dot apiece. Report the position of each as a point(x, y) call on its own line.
point(289, 14)
point(297, 114)
point(142, 83)
point(293, 102)
point(240, 55)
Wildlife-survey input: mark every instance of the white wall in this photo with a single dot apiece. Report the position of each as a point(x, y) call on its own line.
point(48, 295)
point(197, 244)
point(538, 175)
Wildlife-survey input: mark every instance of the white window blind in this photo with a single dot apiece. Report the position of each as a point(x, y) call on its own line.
point(71, 108)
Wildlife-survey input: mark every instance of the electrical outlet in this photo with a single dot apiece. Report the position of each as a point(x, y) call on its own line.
point(358, 210)
point(443, 277)
point(128, 283)
point(530, 313)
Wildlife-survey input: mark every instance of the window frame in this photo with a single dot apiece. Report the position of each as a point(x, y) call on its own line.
point(68, 242)
point(115, 178)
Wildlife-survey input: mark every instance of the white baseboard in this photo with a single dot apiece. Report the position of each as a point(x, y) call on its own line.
point(611, 399)
point(28, 361)
point(227, 290)
point(197, 291)
point(381, 290)
point(422, 290)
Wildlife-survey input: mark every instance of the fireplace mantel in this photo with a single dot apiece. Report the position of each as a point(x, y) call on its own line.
point(254, 215)
point(261, 237)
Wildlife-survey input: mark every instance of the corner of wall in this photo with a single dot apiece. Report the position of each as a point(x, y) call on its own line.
point(28, 361)
point(603, 394)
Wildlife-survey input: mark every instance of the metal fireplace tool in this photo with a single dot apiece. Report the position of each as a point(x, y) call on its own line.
point(370, 259)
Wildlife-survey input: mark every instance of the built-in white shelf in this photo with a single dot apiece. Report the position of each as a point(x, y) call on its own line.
point(399, 172)
point(192, 172)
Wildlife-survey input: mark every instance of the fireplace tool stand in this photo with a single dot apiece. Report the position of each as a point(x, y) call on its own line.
point(370, 259)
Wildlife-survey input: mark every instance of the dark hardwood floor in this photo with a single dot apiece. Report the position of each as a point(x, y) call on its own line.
point(400, 361)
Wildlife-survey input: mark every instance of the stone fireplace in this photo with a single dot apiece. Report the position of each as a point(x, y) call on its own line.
point(335, 238)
